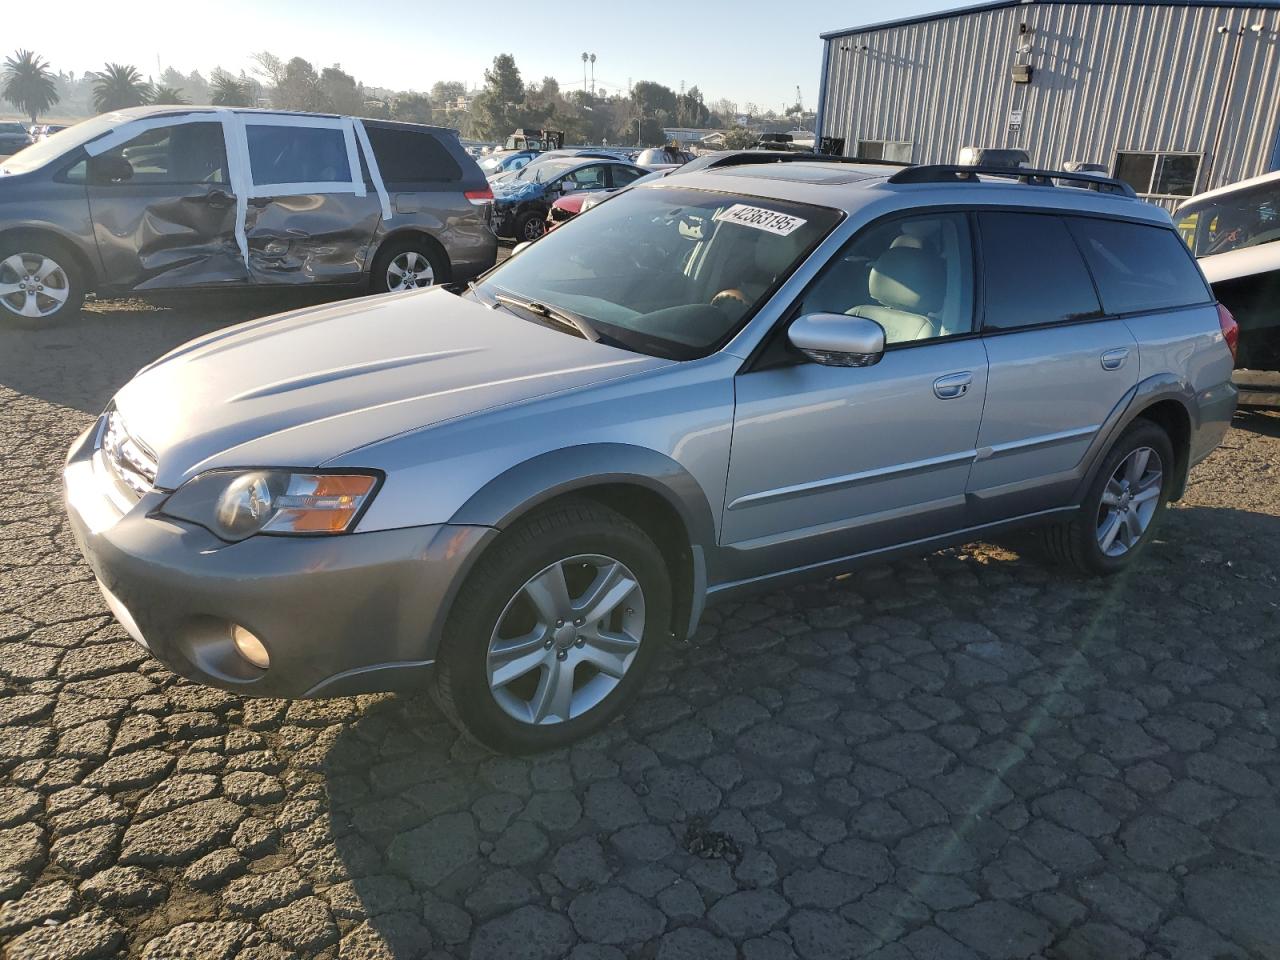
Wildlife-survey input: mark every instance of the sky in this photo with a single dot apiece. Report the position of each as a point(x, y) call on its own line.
point(747, 51)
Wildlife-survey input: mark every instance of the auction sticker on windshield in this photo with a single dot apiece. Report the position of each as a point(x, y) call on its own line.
point(770, 221)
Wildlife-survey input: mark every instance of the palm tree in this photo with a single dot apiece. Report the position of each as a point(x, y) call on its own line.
point(29, 84)
point(165, 95)
point(119, 86)
point(229, 91)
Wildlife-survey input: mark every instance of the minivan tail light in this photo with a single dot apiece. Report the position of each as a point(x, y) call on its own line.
point(1230, 330)
point(479, 197)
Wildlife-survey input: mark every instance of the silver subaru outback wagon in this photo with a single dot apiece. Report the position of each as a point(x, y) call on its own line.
point(710, 384)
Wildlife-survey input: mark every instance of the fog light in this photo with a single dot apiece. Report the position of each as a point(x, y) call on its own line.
point(250, 647)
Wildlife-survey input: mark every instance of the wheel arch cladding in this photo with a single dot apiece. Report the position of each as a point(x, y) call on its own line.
point(1172, 417)
point(648, 488)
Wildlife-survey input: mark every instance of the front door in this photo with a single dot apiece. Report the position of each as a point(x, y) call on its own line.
point(828, 462)
point(1059, 365)
point(163, 209)
point(305, 223)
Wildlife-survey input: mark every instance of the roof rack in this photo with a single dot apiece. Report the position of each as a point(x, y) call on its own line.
point(749, 155)
point(955, 173)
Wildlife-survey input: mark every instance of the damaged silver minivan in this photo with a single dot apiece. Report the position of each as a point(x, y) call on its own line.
point(164, 198)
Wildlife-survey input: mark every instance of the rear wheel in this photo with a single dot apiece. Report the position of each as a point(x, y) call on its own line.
point(554, 630)
point(409, 264)
point(1123, 504)
point(40, 283)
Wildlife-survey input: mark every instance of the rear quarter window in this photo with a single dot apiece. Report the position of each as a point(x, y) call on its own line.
point(1138, 267)
point(409, 156)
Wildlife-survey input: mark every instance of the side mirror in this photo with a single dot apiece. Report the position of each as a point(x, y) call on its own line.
point(109, 169)
point(567, 186)
point(837, 340)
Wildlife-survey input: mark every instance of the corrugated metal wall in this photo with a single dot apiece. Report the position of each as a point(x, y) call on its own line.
point(1105, 78)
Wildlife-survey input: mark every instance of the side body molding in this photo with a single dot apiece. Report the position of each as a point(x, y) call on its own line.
point(523, 487)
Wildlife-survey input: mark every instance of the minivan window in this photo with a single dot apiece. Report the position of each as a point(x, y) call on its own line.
point(410, 156)
point(1241, 218)
point(287, 154)
point(1032, 272)
point(1138, 267)
point(185, 153)
point(59, 144)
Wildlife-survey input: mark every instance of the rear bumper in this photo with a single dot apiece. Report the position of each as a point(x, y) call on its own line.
point(338, 615)
point(1258, 388)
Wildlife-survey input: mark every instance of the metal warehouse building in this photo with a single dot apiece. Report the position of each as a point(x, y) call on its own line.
point(1175, 97)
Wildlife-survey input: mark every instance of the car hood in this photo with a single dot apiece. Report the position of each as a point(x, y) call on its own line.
point(301, 388)
point(1244, 262)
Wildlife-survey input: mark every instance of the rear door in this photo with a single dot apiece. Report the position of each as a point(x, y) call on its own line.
point(306, 223)
point(163, 209)
point(1059, 365)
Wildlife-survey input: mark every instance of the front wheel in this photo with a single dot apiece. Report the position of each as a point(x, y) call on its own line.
point(1119, 513)
point(530, 226)
point(40, 283)
point(554, 630)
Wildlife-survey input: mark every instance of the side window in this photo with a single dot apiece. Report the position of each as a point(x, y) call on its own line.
point(1138, 267)
point(280, 154)
point(409, 156)
point(185, 153)
point(1245, 218)
point(588, 178)
point(1032, 272)
point(912, 276)
point(625, 175)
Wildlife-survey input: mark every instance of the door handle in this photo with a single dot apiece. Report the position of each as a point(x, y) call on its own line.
point(953, 385)
point(1114, 359)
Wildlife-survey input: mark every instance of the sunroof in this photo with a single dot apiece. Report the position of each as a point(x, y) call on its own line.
point(803, 172)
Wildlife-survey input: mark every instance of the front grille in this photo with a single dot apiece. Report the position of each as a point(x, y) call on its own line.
point(132, 465)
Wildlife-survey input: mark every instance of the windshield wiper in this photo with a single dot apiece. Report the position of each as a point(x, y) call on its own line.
point(557, 315)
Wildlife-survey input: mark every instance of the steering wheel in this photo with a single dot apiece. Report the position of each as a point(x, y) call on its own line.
point(732, 293)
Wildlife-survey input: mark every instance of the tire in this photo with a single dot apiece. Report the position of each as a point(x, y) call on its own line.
point(1079, 541)
point(27, 297)
point(414, 256)
point(530, 226)
point(494, 603)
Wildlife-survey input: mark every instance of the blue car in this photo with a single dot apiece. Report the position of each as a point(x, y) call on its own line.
point(522, 200)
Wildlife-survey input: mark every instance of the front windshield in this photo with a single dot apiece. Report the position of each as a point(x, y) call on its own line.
point(1244, 218)
point(57, 144)
point(663, 270)
point(535, 172)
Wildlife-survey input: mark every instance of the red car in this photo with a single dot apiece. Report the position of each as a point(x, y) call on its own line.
point(570, 205)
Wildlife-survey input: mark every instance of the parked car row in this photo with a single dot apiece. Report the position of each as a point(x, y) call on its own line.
point(164, 198)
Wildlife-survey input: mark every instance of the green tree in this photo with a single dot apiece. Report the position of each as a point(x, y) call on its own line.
point(739, 138)
point(690, 110)
point(445, 91)
point(168, 95)
point(654, 98)
point(299, 88)
point(229, 91)
point(412, 108)
point(498, 108)
point(119, 86)
point(29, 83)
point(341, 92)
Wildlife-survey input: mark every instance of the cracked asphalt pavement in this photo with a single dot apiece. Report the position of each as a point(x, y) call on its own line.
point(971, 754)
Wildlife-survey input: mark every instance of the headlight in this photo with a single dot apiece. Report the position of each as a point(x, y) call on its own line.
point(236, 504)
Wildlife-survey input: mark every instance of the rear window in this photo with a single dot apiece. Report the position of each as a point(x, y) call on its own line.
point(1138, 267)
point(1032, 272)
point(288, 154)
point(408, 156)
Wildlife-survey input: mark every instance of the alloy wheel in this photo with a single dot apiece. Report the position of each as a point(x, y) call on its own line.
point(33, 285)
point(534, 228)
point(409, 271)
point(1129, 501)
point(566, 639)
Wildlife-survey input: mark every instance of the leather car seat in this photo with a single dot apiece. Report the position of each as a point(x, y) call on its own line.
point(908, 284)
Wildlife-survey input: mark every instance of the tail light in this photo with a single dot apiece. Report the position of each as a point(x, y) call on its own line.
point(1230, 330)
point(479, 197)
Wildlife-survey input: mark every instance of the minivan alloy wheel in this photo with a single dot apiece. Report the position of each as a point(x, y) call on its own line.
point(33, 285)
point(566, 639)
point(409, 271)
point(1129, 501)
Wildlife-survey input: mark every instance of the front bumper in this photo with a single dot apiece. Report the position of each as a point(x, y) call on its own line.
point(339, 615)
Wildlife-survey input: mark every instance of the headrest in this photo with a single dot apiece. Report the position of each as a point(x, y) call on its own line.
point(914, 243)
point(907, 279)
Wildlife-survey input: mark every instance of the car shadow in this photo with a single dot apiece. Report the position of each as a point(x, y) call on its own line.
point(53, 364)
point(861, 753)
point(1257, 420)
